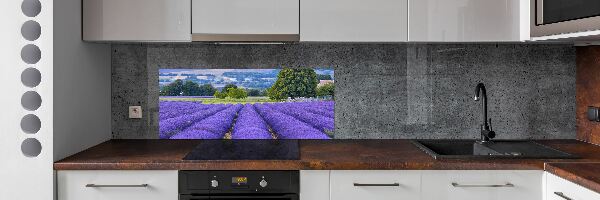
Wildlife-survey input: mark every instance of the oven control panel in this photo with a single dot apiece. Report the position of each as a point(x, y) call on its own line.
point(231, 182)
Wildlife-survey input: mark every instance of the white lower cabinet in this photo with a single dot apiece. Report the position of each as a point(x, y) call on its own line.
point(375, 185)
point(482, 185)
point(436, 185)
point(341, 185)
point(560, 189)
point(314, 185)
point(117, 185)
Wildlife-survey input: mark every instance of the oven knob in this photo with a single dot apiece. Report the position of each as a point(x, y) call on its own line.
point(214, 183)
point(263, 183)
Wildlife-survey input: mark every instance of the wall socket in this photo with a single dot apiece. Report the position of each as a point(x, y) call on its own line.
point(135, 112)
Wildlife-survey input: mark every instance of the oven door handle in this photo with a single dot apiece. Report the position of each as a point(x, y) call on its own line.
point(245, 196)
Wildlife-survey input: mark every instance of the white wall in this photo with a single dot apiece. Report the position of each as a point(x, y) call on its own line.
point(21, 177)
point(82, 108)
point(75, 78)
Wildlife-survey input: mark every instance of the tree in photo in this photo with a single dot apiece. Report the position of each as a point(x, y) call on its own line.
point(294, 83)
point(226, 88)
point(325, 90)
point(220, 95)
point(254, 93)
point(237, 93)
point(206, 90)
point(190, 88)
point(173, 89)
point(275, 94)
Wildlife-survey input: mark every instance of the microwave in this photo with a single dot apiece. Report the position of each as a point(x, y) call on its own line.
point(555, 17)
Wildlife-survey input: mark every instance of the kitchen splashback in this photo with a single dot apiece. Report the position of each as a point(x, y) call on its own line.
point(382, 90)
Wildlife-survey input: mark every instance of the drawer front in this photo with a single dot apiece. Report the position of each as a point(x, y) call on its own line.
point(482, 185)
point(117, 185)
point(560, 189)
point(376, 185)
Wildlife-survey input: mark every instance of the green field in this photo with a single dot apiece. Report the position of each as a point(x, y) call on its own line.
point(227, 100)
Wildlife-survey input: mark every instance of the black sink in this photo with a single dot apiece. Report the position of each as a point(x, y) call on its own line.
point(471, 149)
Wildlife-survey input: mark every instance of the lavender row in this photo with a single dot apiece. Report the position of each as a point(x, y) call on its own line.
point(167, 111)
point(328, 105)
point(170, 126)
point(288, 127)
point(250, 125)
point(320, 111)
point(212, 127)
point(320, 122)
point(312, 108)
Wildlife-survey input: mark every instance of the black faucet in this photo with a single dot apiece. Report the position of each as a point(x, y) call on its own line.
point(486, 129)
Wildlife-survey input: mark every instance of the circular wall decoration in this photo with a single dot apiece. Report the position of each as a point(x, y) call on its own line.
point(31, 8)
point(31, 147)
point(31, 77)
point(31, 30)
point(31, 124)
point(31, 54)
point(31, 100)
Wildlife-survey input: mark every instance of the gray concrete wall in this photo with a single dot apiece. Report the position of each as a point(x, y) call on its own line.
point(382, 90)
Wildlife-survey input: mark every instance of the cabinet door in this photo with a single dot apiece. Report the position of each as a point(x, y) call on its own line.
point(136, 20)
point(353, 20)
point(561, 189)
point(314, 185)
point(482, 185)
point(376, 185)
point(468, 20)
point(230, 17)
point(117, 185)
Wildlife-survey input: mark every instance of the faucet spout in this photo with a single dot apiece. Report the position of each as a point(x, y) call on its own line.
point(486, 132)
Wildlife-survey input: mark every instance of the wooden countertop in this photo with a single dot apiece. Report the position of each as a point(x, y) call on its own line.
point(584, 174)
point(314, 154)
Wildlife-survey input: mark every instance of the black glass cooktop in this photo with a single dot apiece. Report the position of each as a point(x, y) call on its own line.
point(245, 150)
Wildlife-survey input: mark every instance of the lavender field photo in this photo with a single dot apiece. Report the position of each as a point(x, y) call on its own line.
point(246, 103)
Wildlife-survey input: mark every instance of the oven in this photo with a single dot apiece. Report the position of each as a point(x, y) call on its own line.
point(553, 17)
point(239, 185)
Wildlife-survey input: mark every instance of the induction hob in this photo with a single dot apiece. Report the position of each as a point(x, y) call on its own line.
point(245, 150)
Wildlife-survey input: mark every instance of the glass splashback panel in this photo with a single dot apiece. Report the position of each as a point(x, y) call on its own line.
point(288, 103)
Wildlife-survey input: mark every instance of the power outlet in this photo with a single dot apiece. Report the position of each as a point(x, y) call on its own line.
point(135, 112)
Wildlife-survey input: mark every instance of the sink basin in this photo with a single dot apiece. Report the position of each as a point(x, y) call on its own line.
point(469, 149)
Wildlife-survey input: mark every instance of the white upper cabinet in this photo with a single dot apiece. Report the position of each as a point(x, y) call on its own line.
point(136, 20)
point(468, 20)
point(353, 20)
point(245, 20)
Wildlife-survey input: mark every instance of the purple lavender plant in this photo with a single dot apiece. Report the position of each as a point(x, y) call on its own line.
point(170, 109)
point(169, 127)
point(288, 127)
point(299, 112)
point(212, 127)
point(250, 125)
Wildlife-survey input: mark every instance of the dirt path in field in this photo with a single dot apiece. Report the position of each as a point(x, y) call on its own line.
point(227, 135)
